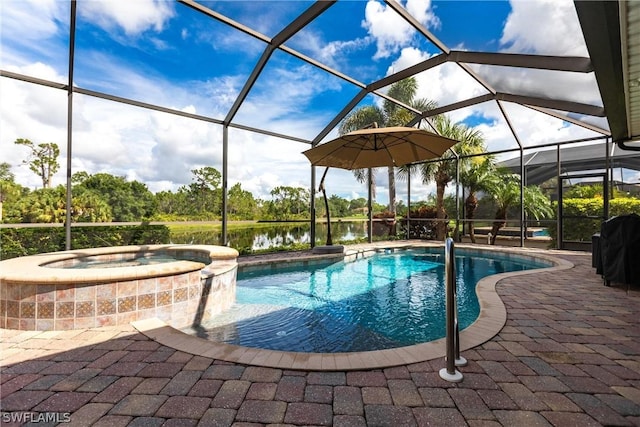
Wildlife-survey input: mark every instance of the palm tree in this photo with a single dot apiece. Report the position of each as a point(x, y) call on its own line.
point(536, 204)
point(505, 192)
point(477, 174)
point(391, 114)
point(443, 171)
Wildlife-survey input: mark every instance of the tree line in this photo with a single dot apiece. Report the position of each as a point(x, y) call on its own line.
point(103, 197)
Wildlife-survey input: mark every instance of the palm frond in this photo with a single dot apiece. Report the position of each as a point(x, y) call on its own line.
point(361, 118)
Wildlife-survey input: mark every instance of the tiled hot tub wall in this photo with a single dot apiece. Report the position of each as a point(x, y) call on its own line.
point(179, 299)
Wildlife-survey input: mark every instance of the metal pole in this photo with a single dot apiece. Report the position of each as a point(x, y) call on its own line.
point(313, 207)
point(456, 234)
point(463, 214)
point(523, 217)
point(460, 361)
point(607, 183)
point(69, 200)
point(450, 373)
point(326, 205)
point(559, 243)
point(370, 207)
point(408, 204)
point(225, 167)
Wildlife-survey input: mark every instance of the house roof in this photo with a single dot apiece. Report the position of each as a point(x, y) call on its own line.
point(543, 165)
point(612, 33)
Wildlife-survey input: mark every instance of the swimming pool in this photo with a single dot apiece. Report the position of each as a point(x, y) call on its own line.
point(391, 299)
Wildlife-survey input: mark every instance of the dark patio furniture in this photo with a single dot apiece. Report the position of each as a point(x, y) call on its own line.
point(616, 252)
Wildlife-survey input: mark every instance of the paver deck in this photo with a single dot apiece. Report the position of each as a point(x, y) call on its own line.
point(568, 355)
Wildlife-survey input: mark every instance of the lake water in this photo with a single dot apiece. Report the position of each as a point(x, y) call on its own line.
point(265, 236)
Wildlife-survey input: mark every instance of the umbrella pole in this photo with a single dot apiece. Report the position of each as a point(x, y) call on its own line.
point(370, 205)
point(326, 205)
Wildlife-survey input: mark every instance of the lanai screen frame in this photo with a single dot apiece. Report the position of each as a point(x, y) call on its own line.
point(547, 106)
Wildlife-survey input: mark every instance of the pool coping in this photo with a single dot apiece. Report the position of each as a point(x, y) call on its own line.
point(41, 268)
point(492, 318)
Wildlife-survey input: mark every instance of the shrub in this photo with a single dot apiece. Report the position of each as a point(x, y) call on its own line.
point(585, 216)
point(419, 226)
point(29, 241)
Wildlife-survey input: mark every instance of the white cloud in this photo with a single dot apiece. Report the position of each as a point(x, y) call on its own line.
point(577, 87)
point(280, 100)
point(157, 148)
point(386, 27)
point(446, 84)
point(547, 27)
point(180, 146)
point(556, 32)
point(223, 39)
point(331, 53)
point(40, 14)
point(119, 78)
point(33, 112)
point(390, 31)
point(408, 57)
point(260, 163)
point(107, 136)
point(449, 83)
point(35, 27)
point(421, 10)
point(532, 128)
point(132, 16)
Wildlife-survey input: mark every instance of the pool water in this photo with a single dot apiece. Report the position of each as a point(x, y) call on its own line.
point(150, 259)
point(384, 301)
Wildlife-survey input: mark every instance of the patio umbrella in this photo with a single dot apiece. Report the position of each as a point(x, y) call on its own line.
point(375, 147)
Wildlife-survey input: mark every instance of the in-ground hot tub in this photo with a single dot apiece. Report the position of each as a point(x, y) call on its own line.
point(87, 288)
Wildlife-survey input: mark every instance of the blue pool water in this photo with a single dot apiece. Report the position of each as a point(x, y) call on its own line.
point(384, 301)
point(96, 262)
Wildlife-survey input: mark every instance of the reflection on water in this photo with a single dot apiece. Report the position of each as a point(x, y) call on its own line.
point(279, 235)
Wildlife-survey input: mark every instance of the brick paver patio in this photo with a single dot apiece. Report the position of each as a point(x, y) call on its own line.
point(569, 355)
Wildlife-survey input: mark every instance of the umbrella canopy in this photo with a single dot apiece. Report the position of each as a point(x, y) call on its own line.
point(376, 147)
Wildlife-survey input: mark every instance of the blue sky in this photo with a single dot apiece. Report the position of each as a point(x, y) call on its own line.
point(165, 53)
